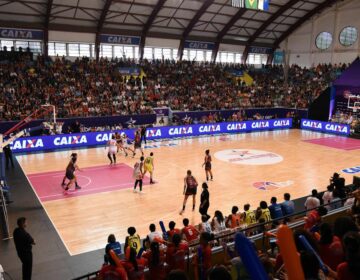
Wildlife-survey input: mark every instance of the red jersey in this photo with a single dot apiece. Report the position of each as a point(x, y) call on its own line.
point(343, 272)
point(332, 254)
point(206, 257)
point(312, 219)
point(112, 272)
point(132, 273)
point(173, 231)
point(190, 233)
point(156, 272)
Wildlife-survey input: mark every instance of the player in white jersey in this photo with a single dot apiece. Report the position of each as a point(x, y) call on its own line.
point(112, 149)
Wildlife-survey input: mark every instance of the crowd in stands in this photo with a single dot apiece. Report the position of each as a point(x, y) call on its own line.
point(89, 88)
point(165, 253)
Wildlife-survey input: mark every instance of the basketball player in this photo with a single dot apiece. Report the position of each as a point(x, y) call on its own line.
point(126, 144)
point(207, 163)
point(72, 156)
point(190, 188)
point(138, 174)
point(112, 149)
point(149, 166)
point(119, 142)
point(137, 143)
point(70, 173)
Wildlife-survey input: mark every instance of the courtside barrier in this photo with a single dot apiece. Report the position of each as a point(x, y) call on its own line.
point(326, 127)
point(65, 141)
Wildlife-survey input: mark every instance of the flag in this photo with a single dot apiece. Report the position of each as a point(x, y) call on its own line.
point(263, 5)
point(251, 4)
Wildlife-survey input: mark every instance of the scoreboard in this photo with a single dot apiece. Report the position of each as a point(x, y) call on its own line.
point(251, 4)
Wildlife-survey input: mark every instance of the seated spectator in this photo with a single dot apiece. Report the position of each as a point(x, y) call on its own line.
point(133, 240)
point(219, 272)
point(155, 259)
point(349, 270)
point(312, 201)
point(330, 248)
point(327, 196)
point(134, 266)
point(154, 235)
point(310, 265)
point(112, 245)
point(177, 274)
point(175, 253)
point(275, 209)
point(249, 216)
point(336, 200)
point(343, 225)
point(202, 257)
point(218, 222)
point(287, 206)
point(263, 212)
point(234, 219)
point(189, 232)
point(313, 217)
point(172, 230)
point(205, 225)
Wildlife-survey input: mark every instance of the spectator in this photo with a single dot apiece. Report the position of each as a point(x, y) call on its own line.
point(154, 235)
point(172, 230)
point(312, 201)
point(219, 272)
point(8, 156)
point(339, 184)
point(275, 209)
point(349, 270)
point(177, 274)
point(249, 216)
point(330, 248)
point(155, 259)
point(134, 266)
point(328, 196)
point(133, 240)
point(202, 258)
point(263, 212)
point(189, 232)
point(234, 219)
point(112, 245)
point(336, 201)
point(313, 217)
point(23, 243)
point(205, 225)
point(218, 222)
point(343, 225)
point(204, 200)
point(175, 253)
point(288, 206)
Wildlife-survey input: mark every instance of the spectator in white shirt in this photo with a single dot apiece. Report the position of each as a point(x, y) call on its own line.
point(154, 235)
point(312, 201)
point(328, 196)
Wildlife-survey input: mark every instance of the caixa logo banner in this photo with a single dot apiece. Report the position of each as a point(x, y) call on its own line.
point(53, 142)
point(327, 127)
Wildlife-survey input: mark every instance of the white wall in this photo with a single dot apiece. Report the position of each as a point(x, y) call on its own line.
point(301, 48)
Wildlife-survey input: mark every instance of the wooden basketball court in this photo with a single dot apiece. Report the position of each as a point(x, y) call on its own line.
point(247, 168)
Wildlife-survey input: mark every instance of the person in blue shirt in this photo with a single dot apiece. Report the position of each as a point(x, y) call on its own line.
point(287, 206)
point(112, 245)
point(275, 209)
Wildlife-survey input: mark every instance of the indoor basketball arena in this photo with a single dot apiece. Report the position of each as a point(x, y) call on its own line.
point(179, 139)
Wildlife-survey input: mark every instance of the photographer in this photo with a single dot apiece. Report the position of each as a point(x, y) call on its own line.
point(339, 184)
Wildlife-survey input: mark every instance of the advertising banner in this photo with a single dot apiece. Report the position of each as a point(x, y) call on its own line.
point(327, 127)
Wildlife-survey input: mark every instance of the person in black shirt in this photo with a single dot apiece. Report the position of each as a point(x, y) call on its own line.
point(23, 243)
point(8, 156)
point(204, 200)
point(143, 134)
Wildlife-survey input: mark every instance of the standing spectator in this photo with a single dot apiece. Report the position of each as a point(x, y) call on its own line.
point(23, 243)
point(275, 209)
point(339, 184)
point(204, 201)
point(112, 245)
point(8, 156)
point(288, 206)
point(312, 201)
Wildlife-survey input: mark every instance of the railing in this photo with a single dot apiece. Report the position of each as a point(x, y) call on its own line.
point(256, 237)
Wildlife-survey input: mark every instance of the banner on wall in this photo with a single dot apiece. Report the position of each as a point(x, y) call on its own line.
point(279, 57)
point(24, 34)
point(199, 45)
point(327, 127)
point(65, 141)
point(119, 39)
point(260, 50)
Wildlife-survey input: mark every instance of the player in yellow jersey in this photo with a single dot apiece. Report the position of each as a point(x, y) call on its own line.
point(249, 215)
point(133, 240)
point(149, 166)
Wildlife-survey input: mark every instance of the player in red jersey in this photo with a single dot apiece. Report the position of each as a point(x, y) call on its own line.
point(207, 163)
point(190, 188)
point(137, 143)
point(189, 232)
point(173, 230)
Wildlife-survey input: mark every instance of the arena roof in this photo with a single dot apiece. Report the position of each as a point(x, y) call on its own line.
point(203, 20)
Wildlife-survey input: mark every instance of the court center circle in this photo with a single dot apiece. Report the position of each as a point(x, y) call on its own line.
point(248, 157)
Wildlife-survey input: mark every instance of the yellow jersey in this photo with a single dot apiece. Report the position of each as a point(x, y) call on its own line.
point(250, 217)
point(134, 242)
point(265, 214)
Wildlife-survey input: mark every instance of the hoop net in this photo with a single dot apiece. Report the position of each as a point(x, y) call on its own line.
point(354, 102)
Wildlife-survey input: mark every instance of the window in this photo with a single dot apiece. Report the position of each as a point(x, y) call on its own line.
point(129, 52)
point(74, 50)
point(136, 52)
point(238, 58)
point(167, 53)
point(106, 51)
point(7, 44)
point(119, 51)
point(60, 49)
point(348, 36)
point(323, 40)
point(84, 50)
point(185, 55)
point(35, 47)
point(208, 56)
point(21, 44)
point(148, 53)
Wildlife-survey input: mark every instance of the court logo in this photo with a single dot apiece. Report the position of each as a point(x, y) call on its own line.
point(248, 157)
point(269, 186)
point(351, 170)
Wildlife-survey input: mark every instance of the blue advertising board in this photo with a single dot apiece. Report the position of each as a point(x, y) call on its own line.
point(63, 141)
point(327, 127)
point(261, 50)
point(199, 45)
point(133, 71)
point(119, 39)
point(26, 34)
